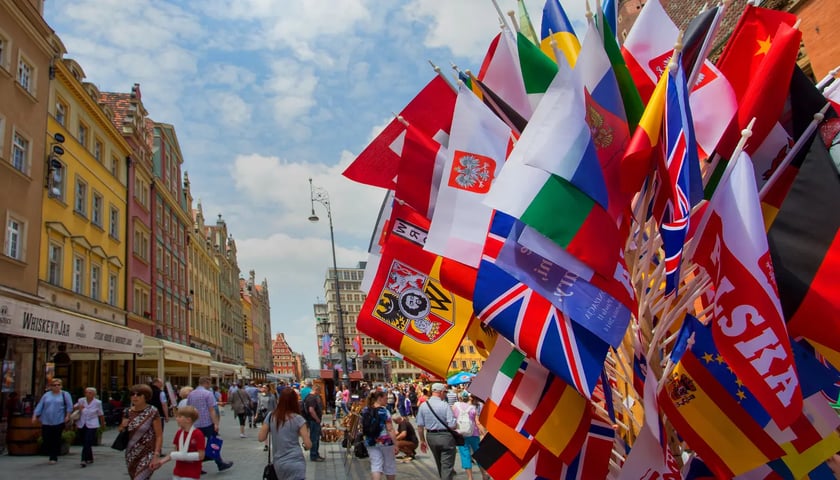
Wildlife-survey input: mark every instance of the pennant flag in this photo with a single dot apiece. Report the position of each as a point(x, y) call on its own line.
point(407, 309)
point(804, 245)
point(713, 413)
point(558, 139)
point(477, 150)
point(593, 459)
point(430, 112)
point(326, 345)
point(532, 323)
point(747, 321)
point(556, 25)
point(357, 345)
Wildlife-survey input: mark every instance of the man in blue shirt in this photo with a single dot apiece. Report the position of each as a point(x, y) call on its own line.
point(432, 427)
point(253, 394)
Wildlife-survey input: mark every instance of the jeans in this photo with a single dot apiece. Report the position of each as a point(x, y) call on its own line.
point(315, 437)
point(208, 432)
point(52, 439)
point(88, 439)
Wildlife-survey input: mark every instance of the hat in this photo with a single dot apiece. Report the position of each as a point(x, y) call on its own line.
point(438, 387)
point(465, 394)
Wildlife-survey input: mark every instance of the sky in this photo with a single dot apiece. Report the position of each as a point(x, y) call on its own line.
point(265, 94)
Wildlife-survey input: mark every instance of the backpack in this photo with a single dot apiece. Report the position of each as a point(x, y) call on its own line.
point(371, 426)
point(464, 425)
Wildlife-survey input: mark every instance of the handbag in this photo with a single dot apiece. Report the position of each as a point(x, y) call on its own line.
point(121, 442)
point(213, 449)
point(459, 439)
point(268, 472)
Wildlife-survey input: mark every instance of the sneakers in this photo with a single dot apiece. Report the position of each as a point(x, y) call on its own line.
point(242, 435)
point(319, 459)
point(225, 466)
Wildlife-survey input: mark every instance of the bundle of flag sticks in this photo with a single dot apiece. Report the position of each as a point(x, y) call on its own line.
point(641, 241)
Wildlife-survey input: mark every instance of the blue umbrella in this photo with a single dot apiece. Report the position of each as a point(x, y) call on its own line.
point(460, 378)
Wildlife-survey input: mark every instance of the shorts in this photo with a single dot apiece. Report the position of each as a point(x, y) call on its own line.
point(466, 450)
point(382, 459)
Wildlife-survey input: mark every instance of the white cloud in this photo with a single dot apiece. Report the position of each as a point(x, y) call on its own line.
point(290, 89)
point(232, 110)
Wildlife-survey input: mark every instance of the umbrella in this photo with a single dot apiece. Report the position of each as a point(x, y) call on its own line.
point(460, 378)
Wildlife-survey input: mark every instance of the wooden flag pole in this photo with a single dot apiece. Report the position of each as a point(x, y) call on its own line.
point(828, 79)
point(513, 22)
point(442, 76)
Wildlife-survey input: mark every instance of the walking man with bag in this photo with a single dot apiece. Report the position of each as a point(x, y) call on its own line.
point(203, 400)
point(314, 409)
point(434, 419)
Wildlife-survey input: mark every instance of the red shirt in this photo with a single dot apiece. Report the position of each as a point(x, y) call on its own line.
point(189, 469)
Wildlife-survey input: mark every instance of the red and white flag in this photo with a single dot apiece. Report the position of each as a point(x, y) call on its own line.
point(747, 322)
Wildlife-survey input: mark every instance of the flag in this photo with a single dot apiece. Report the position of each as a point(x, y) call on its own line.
point(357, 345)
point(804, 245)
point(556, 26)
point(764, 96)
point(407, 309)
point(532, 323)
point(588, 305)
point(525, 25)
point(747, 321)
point(558, 139)
point(605, 114)
point(419, 171)
point(477, 150)
point(495, 103)
point(633, 106)
point(645, 147)
point(593, 459)
point(482, 337)
point(718, 418)
point(560, 211)
point(497, 459)
point(430, 112)
point(682, 187)
point(326, 345)
point(647, 50)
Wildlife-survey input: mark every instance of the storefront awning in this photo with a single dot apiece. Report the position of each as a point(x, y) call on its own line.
point(221, 369)
point(59, 325)
point(175, 352)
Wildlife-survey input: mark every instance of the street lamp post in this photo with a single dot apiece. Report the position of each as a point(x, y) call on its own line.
point(320, 195)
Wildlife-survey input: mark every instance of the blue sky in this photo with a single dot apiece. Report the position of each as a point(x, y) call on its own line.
point(265, 94)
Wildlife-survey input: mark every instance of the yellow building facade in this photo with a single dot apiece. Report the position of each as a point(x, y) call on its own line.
point(248, 325)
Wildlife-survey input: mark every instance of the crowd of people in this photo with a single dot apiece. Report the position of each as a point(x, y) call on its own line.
point(288, 417)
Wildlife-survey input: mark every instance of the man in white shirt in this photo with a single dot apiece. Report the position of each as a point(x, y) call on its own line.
point(433, 418)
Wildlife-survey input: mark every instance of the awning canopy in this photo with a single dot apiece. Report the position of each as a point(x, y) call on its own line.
point(59, 325)
point(175, 352)
point(222, 369)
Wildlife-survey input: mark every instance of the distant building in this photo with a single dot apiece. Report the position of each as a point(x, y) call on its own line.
point(283, 358)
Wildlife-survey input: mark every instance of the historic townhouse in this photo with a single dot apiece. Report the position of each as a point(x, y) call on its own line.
point(230, 311)
point(256, 319)
point(247, 324)
point(170, 299)
point(283, 358)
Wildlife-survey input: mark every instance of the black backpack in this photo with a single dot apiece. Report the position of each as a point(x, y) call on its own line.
point(371, 426)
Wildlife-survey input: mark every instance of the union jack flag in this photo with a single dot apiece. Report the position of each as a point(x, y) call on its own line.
point(532, 323)
point(679, 174)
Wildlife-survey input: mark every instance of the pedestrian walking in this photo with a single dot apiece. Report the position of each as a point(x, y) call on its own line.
point(287, 429)
point(467, 424)
point(145, 436)
point(53, 411)
point(241, 405)
point(189, 446)
point(314, 410)
point(90, 418)
point(381, 438)
point(203, 400)
point(434, 418)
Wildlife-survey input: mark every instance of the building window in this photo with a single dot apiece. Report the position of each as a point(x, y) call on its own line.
point(26, 75)
point(96, 210)
point(56, 255)
point(61, 113)
point(80, 205)
point(15, 233)
point(159, 257)
point(4, 52)
point(95, 279)
point(83, 134)
point(472, 349)
point(78, 274)
point(97, 150)
point(463, 365)
point(115, 166)
point(114, 223)
point(112, 289)
point(57, 181)
point(20, 153)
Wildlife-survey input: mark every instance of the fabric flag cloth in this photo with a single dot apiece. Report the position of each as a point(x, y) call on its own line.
point(571, 287)
point(718, 418)
point(407, 308)
point(747, 322)
point(633, 106)
point(532, 323)
point(482, 337)
point(525, 25)
point(645, 148)
point(477, 150)
point(606, 112)
point(326, 345)
point(804, 245)
point(420, 171)
point(681, 184)
point(593, 459)
point(430, 112)
point(357, 345)
point(558, 139)
point(495, 103)
point(764, 98)
point(556, 25)
point(647, 50)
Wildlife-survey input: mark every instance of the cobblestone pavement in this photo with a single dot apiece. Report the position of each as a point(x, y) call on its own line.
point(246, 453)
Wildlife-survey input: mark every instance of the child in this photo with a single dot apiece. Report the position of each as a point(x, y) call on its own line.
point(189, 446)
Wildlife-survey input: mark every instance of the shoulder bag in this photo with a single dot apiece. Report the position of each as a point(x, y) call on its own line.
point(459, 439)
point(268, 472)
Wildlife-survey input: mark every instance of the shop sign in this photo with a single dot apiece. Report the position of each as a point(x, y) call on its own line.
point(27, 320)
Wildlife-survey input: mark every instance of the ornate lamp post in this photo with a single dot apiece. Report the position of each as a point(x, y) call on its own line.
point(320, 195)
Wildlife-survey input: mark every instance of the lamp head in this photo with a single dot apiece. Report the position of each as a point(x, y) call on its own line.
point(313, 218)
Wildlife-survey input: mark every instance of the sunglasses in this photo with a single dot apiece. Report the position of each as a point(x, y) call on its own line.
point(136, 394)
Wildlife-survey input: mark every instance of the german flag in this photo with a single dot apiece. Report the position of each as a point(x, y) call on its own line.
point(805, 247)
